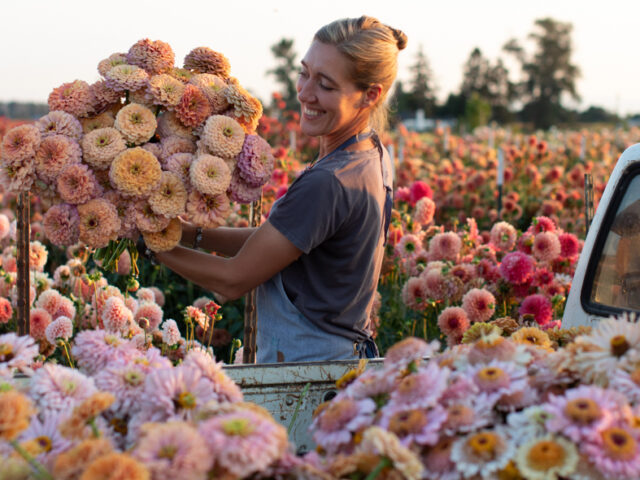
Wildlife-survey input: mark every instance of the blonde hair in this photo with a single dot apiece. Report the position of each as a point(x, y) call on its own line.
point(372, 48)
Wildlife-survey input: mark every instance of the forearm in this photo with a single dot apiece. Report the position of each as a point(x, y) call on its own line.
point(225, 240)
point(210, 272)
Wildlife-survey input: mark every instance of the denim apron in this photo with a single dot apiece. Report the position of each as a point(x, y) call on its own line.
point(285, 335)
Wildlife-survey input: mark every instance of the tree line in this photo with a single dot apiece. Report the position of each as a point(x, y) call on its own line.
point(536, 94)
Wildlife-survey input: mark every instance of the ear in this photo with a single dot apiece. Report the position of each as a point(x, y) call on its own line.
point(372, 95)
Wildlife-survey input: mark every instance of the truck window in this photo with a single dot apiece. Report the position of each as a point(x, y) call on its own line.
point(615, 262)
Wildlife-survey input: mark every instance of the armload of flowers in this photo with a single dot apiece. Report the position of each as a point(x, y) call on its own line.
point(144, 144)
point(500, 407)
point(127, 413)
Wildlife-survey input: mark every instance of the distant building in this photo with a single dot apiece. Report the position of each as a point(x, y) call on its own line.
point(420, 123)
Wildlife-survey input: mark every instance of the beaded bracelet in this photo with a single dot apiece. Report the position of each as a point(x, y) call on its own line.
point(198, 238)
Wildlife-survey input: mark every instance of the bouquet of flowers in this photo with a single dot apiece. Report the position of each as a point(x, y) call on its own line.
point(145, 144)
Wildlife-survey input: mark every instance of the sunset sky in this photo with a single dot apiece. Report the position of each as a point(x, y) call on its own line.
point(46, 43)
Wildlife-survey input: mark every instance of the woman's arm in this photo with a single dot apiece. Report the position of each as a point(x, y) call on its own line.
point(225, 240)
point(264, 253)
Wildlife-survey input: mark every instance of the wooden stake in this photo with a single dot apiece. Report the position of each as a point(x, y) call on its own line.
point(23, 234)
point(250, 310)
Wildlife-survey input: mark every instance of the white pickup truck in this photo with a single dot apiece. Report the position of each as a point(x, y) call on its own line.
point(607, 277)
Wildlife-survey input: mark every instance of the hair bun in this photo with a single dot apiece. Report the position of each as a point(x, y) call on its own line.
point(401, 38)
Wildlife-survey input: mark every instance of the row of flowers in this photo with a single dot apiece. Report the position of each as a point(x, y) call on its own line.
point(496, 406)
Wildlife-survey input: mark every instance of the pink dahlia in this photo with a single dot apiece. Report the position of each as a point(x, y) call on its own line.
point(175, 393)
point(241, 192)
point(175, 144)
point(115, 315)
point(414, 294)
point(158, 296)
point(147, 220)
point(255, 161)
point(546, 246)
point(615, 451)
point(206, 210)
point(453, 321)
point(414, 426)
point(210, 175)
point(125, 380)
point(77, 184)
point(542, 224)
point(223, 386)
point(103, 97)
point(173, 450)
point(99, 222)
point(20, 144)
point(244, 442)
point(334, 426)
point(6, 312)
point(517, 267)
point(169, 124)
point(205, 60)
point(180, 164)
point(111, 61)
point(50, 300)
point(16, 353)
point(126, 78)
point(424, 211)
point(44, 430)
point(421, 389)
point(55, 388)
point(445, 246)
point(61, 327)
point(60, 123)
point(583, 411)
point(409, 246)
point(193, 108)
point(569, 245)
point(95, 349)
point(5, 226)
point(499, 380)
point(479, 304)
point(418, 190)
point(75, 98)
point(539, 306)
point(150, 311)
point(54, 154)
point(170, 332)
point(39, 319)
point(154, 56)
point(503, 236)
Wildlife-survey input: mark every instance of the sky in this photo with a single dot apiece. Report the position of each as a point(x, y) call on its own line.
point(44, 43)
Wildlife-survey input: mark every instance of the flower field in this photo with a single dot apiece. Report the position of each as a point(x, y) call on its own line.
point(126, 359)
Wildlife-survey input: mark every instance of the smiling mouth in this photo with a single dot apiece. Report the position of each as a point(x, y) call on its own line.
point(311, 113)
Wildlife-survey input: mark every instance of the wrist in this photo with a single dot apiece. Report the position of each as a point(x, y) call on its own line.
point(197, 238)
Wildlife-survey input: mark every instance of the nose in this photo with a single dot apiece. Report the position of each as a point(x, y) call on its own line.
point(305, 90)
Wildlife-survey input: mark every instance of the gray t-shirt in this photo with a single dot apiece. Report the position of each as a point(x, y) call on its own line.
point(334, 213)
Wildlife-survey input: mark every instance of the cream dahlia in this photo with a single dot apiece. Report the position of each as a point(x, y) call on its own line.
point(135, 172)
point(126, 78)
point(165, 90)
point(210, 175)
point(205, 60)
point(223, 136)
point(213, 88)
point(99, 222)
point(101, 146)
point(136, 123)
point(170, 198)
point(166, 239)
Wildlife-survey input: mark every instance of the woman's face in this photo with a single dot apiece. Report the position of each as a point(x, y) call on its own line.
point(330, 103)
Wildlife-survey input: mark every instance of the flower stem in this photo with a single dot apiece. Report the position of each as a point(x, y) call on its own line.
point(68, 355)
point(305, 390)
point(382, 464)
point(94, 428)
point(40, 471)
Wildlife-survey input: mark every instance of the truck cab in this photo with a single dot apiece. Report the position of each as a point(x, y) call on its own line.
point(607, 277)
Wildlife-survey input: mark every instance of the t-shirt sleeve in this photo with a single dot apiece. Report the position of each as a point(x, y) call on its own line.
point(311, 211)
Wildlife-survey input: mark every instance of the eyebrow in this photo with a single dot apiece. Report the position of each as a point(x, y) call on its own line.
point(304, 64)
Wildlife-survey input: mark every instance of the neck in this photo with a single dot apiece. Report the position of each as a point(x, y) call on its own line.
point(330, 142)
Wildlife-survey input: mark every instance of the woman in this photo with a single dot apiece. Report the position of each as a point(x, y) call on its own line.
point(316, 260)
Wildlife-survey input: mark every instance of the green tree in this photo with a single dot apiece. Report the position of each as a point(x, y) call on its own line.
point(548, 73)
point(285, 71)
point(490, 82)
point(477, 111)
point(421, 92)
